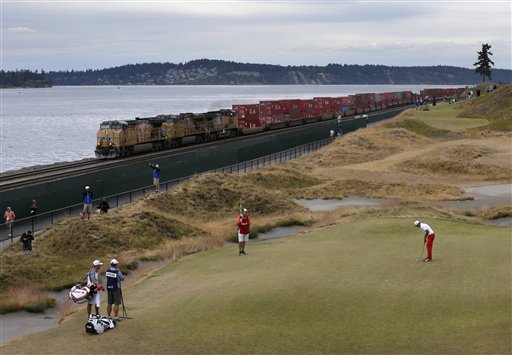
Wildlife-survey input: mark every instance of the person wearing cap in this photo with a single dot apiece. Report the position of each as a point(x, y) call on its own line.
point(156, 176)
point(87, 196)
point(9, 217)
point(93, 280)
point(114, 278)
point(428, 238)
point(243, 221)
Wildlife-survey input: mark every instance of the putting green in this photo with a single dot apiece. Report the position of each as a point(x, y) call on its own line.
point(353, 288)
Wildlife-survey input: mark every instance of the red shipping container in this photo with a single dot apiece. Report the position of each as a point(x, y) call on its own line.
point(271, 112)
point(291, 108)
point(307, 108)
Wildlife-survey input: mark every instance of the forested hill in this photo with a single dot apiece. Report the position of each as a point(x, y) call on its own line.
point(218, 72)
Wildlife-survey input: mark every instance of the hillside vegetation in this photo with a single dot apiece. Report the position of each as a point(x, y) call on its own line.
point(220, 72)
point(351, 285)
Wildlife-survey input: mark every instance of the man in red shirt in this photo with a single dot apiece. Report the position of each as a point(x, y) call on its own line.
point(9, 217)
point(244, 224)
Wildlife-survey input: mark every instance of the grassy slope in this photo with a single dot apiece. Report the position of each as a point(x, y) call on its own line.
point(352, 288)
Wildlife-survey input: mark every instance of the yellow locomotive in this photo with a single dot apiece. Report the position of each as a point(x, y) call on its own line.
point(121, 138)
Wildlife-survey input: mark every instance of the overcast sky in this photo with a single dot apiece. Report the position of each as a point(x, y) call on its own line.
point(60, 35)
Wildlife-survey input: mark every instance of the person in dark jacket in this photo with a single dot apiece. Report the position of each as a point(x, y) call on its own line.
point(103, 206)
point(26, 239)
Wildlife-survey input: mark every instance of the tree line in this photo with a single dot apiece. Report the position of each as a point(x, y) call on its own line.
point(24, 79)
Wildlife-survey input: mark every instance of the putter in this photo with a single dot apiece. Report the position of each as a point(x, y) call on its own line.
point(125, 314)
point(420, 259)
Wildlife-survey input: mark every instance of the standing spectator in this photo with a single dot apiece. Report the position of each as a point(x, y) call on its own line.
point(94, 283)
point(24, 241)
point(244, 225)
point(103, 206)
point(9, 217)
point(33, 208)
point(156, 176)
point(30, 238)
point(87, 196)
point(428, 238)
point(33, 212)
point(114, 278)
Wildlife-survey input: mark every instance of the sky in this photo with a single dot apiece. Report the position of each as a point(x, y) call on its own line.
point(78, 35)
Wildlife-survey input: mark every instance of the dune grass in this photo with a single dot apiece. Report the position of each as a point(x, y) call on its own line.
point(353, 288)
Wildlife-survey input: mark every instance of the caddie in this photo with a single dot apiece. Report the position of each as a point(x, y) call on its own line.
point(114, 278)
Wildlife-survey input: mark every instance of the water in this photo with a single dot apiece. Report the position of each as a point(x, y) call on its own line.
point(59, 124)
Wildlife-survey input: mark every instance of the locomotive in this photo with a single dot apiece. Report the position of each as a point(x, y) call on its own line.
point(126, 137)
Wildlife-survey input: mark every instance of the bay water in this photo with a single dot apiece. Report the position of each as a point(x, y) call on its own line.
point(59, 124)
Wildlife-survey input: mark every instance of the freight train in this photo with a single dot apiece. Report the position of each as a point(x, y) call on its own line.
point(126, 137)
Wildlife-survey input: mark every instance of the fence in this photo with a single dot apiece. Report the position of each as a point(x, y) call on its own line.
point(43, 220)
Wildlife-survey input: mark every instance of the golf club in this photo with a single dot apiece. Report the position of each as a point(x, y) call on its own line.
point(421, 257)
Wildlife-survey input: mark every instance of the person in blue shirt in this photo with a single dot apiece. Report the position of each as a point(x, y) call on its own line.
point(114, 278)
point(87, 196)
point(156, 176)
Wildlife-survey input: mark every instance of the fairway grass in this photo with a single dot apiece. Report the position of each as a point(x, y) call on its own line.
point(351, 288)
point(445, 117)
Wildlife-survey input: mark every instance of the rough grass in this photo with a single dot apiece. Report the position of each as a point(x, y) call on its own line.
point(26, 298)
point(215, 195)
point(352, 288)
point(364, 146)
point(495, 106)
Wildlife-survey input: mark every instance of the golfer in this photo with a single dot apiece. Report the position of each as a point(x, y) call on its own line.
point(427, 238)
point(93, 279)
point(244, 225)
point(114, 278)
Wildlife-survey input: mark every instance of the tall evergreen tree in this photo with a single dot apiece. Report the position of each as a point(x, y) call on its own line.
point(483, 64)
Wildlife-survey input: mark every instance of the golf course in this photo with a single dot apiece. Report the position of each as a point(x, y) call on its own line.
point(351, 282)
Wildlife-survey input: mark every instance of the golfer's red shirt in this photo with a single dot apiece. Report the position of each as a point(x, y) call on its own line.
point(244, 223)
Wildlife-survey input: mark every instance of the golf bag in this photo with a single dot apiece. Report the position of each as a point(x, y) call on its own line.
point(98, 324)
point(81, 294)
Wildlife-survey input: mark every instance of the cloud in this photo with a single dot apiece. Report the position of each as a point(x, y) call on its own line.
point(21, 30)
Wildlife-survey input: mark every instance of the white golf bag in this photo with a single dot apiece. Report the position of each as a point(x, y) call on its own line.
point(98, 324)
point(81, 294)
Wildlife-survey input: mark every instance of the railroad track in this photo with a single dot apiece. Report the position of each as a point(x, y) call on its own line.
point(36, 175)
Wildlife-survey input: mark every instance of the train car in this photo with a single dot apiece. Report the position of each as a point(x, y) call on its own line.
point(307, 111)
point(248, 117)
point(292, 112)
point(189, 128)
point(119, 138)
point(344, 106)
point(272, 114)
point(324, 107)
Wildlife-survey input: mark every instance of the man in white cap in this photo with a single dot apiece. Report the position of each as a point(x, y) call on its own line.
point(87, 196)
point(427, 238)
point(94, 283)
point(156, 176)
point(114, 278)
